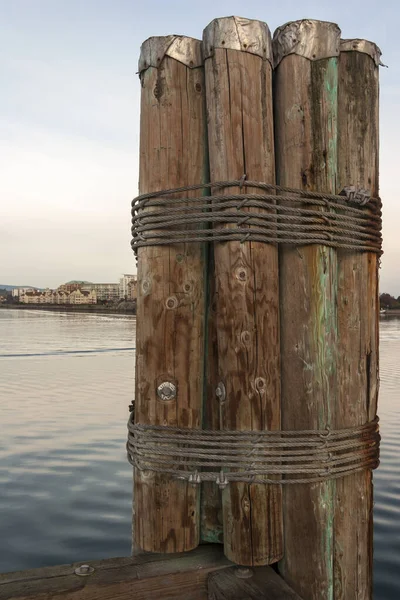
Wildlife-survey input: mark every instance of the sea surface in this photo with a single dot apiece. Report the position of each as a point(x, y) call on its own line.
point(66, 381)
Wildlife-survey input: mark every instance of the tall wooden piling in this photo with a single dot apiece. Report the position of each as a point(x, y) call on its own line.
point(211, 498)
point(358, 318)
point(170, 304)
point(305, 109)
point(240, 130)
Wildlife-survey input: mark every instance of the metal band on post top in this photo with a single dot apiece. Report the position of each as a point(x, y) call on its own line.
point(363, 46)
point(185, 50)
point(238, 33)
point(312, 39)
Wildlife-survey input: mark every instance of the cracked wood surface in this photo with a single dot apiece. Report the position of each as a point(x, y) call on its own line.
point(305, 110)
point(240, 132)
point(358, 319)
point(171, 302)
point(142, 577)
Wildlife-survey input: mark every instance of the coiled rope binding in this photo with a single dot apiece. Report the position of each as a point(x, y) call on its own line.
point(267, 213)
point(275, 215)
point(268, 457)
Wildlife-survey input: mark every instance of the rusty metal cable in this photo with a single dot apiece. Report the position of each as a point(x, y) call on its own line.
point(274, 457)
point(350, 221)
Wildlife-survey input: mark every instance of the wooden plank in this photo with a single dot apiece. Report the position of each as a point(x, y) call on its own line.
point(143, 577)
point(171, 303)
point(240, 134)
point(358, 141)
point(305, 107)
point(264, 584)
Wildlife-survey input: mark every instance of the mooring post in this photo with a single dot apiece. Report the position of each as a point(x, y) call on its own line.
point(171, 298)
point(238, 70)
point(305, 110)
point(211, 496)
point(358, 318)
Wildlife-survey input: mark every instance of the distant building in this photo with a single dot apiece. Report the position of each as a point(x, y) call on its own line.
point(104, 291)
point(71, 286)
point(59, 296)
point(83, 297)
point(127, 287)
point(20, 291)
point(30, 297)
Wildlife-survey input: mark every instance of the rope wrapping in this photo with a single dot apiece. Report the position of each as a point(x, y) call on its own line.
point(351, 221)
point(253, 456)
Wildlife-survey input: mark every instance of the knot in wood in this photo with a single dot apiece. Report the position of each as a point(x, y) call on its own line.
point(146, 286)
point(260, 384)
point(171, 302)
point(241, 274)
point(245, 336)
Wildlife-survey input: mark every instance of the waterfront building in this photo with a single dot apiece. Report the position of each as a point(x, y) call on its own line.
point(127, 284)
point(83, 297)
point(108, 292)
point(20, 291)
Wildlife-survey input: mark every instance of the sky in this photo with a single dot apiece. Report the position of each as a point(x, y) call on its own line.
point(69, 124)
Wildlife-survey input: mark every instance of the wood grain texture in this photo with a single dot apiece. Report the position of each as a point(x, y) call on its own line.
point(358, 319)
point(240, 131)
point(170, 303)
point(143, 577)
point(265, 584)
point(211, 497)
point(305, 109)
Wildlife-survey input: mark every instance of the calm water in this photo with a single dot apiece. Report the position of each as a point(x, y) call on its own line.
point(66, 381)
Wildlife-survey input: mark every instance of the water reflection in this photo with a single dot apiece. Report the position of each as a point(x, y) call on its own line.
point(66, 381)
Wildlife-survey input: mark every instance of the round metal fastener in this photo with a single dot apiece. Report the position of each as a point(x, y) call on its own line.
point(243, 573)
point(166, 390)
point(84, 570)
point(220, 391)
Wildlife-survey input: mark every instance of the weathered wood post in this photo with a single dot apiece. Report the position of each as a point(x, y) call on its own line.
point(358, 318)
point(238, 71)
point(211, 500)
point(305, 109)
point(170, 304)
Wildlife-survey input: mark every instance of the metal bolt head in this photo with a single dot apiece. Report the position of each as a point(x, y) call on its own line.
point(166, 390)
point(220, 391)
point(243, 573)
point(84, 570)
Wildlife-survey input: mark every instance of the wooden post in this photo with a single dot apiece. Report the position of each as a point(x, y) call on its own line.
point(170, 304)
point(211, 500)
point(238, 71)
point(305, 108)
point(358, 318)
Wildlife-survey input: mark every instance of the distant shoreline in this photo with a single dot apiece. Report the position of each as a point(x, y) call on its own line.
point(125, 308)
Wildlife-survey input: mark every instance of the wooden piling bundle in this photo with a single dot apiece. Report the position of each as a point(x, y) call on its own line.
point(267, 320)
point(238, 72)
